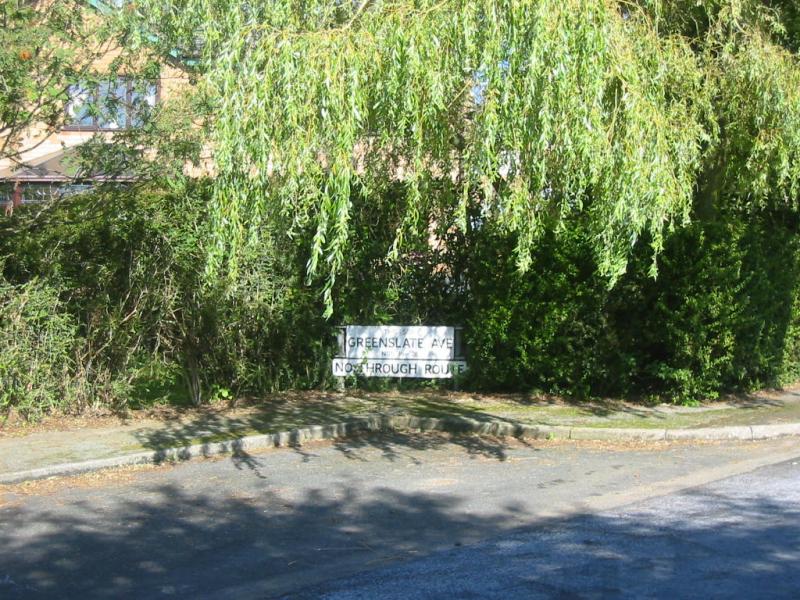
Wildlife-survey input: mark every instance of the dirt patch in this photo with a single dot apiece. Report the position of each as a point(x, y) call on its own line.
point(119, 476)
point(17, 427)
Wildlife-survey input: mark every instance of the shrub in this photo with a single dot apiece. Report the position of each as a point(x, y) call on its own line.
point(722, 314)
point(38, 345)
point(104, 301)
point(543, 330)
point(719, 316)
point(127, 269)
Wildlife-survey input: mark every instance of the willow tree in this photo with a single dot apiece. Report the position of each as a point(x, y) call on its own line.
point(529, 111)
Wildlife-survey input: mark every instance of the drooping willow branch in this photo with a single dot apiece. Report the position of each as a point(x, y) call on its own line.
point(536, 110)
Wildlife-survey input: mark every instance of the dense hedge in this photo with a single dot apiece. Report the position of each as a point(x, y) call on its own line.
point(102, 302)
point(544, 330)
point(721, 315)
point(125, 273)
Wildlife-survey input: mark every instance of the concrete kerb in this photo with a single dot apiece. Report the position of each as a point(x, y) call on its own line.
point(764, 432)
point(400, 423)
point(618, 433)
point(711, 433)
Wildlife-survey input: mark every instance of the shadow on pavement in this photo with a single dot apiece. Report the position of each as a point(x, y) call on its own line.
point(759, 401)
point(289, 411)
point(474, 445)
point(179, 540)
point(276, 417)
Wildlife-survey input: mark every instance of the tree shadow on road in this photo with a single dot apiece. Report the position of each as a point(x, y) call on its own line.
point(166, 536)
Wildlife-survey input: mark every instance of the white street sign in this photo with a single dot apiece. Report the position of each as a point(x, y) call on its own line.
point(388, 341)
point(420, 351)
point(393, 367)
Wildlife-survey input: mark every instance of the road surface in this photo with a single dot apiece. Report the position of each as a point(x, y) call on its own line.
point(448, 517)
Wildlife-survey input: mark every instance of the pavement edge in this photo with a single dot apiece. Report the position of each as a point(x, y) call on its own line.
point(383, 423)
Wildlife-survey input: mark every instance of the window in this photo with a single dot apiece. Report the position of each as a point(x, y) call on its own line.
point(38, 192)
point(116, 104)
point(42, 193)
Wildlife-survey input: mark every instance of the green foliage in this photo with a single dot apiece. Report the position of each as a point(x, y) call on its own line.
point(104, 302)
point(517, 166)
point(539, 111)
point(125, 268)
point(425, 283)
point(722, 314)
point(38, 344)
point(789, 371)
point(545, 329)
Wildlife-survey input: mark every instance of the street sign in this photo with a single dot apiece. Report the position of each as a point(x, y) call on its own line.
point(413, 351)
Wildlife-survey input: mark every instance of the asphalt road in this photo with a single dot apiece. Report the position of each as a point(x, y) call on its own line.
point(418, 516)
point(739, 538)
